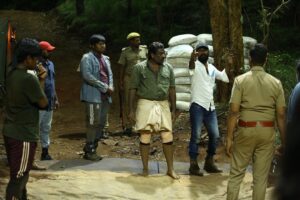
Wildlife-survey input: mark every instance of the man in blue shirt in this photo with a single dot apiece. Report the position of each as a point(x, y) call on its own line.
point(46, 114)
point(96, 91)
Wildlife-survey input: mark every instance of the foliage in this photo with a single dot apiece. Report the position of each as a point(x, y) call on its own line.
point(280, 29)
point(115, 22)
point(282, 66)
point(36, 5)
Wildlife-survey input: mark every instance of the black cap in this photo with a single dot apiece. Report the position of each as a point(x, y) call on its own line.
point(96, 38)
point(25, 47)
point(201, 45)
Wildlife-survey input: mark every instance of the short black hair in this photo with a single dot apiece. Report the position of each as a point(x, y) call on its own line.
point(94, 39)
point(27, 47)
point(154, 47)
point(259, 53)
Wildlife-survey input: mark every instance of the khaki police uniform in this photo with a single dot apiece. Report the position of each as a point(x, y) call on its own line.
point(258, 94)
point(128, 59)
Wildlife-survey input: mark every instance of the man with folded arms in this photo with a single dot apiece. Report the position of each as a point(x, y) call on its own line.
point(257, 100)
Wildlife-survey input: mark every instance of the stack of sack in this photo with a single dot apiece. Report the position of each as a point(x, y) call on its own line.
point(179, 54)
point(248, 43)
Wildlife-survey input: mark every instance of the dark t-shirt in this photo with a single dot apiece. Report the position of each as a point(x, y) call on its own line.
point(294, 104)
point(21, 109)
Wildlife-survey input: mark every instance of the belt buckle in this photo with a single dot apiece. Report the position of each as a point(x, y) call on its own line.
point(258, 124)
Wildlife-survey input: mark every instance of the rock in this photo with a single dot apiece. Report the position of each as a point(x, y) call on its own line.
point(110, 142)
point(79, 152)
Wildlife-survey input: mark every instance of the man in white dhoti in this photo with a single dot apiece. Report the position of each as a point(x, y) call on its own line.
point(153, 84)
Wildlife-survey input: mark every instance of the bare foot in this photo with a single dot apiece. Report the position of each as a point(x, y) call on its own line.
point(145, 172)
point(173, 175)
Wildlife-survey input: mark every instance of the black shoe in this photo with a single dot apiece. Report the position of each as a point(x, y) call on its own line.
point(45, 154)
point(46, 157)
point(128, 132)
point(210, 167)
point(194, 168)
point(104, 135)
point(92, 157)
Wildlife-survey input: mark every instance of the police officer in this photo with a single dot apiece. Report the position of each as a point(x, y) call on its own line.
point(129, 57)
point(257, 101)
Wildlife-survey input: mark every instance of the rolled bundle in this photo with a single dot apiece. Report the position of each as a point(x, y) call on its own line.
point(182, 105)
point(180, 51)
point(183, 81)
point(178, 62)
point(182, 39)
point(181, 72)
point(183, 89)
point(249, 42)
point(205, 38)
point(181, 96)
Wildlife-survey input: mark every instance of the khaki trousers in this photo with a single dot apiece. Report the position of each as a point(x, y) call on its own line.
point(125, 111)
point(256, 144)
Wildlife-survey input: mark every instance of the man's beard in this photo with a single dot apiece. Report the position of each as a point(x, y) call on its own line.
point(203, 58)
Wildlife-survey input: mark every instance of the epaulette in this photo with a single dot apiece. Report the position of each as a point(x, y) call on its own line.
point(125, 48)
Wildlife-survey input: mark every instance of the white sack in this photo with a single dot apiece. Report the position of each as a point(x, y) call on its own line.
point(178, 62)
point(183, 97)
point(211, 50)
point(183, 89)
point(211, 60)
point(182, 105)
point(181, 72)
point(205, 38)
point(183, 51)
point(183, 81)
point(249, 42)
point(182, 39)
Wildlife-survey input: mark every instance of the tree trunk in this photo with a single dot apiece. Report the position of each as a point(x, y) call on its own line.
point(235, 38)
point(79, 7)
point(225, 19)
point(220, 34)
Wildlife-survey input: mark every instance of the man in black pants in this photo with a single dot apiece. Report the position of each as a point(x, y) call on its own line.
point(24, 97)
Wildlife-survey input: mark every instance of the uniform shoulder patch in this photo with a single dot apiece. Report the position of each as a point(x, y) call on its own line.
point(125, 48)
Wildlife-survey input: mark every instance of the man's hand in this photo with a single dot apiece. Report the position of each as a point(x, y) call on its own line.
point(42, 72)
point(56, 106)
point(229, 147)
point(279, 150)
point(110, 91)
point(194, 55)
